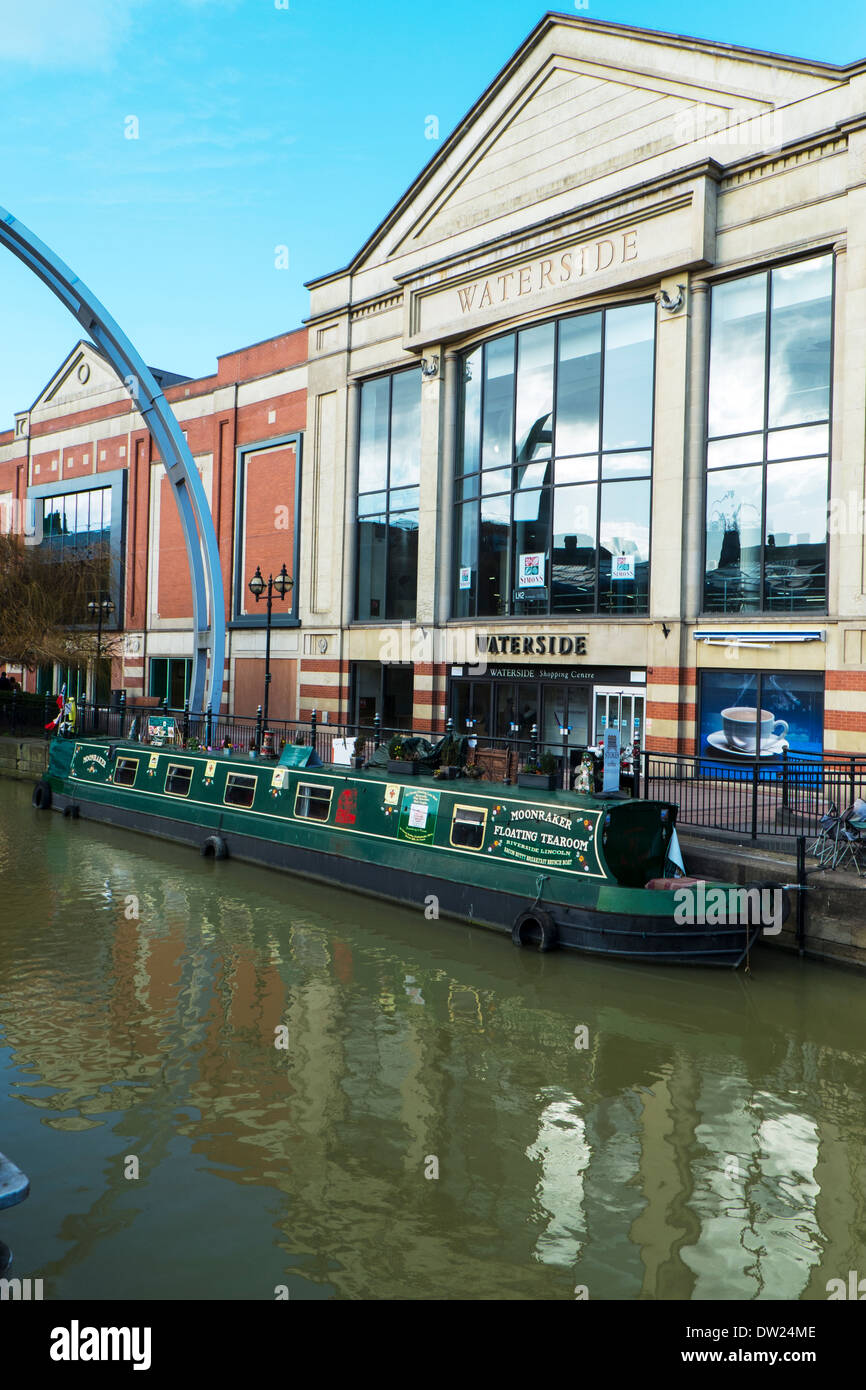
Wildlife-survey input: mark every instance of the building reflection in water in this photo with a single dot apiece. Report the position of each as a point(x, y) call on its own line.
point(707, 1144)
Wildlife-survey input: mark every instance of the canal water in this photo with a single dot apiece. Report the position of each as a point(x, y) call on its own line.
point(447, 1117)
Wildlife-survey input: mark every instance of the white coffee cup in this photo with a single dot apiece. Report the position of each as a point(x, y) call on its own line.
point(740, 721)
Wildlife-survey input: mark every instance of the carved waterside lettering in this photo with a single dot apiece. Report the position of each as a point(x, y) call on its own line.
point(589, 258)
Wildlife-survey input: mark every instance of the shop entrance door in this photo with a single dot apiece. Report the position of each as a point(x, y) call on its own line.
point(620, 709)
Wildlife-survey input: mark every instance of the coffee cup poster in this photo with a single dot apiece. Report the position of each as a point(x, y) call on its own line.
point(744, 716)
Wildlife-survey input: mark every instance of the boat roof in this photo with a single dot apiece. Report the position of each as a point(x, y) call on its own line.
point(479, 787)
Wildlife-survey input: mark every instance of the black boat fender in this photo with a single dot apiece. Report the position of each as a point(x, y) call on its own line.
point(42, 796)
point(535, 925)
point(216, 847)
point(70, 812)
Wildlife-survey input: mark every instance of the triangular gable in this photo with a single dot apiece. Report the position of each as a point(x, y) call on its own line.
point(84, 372)
point(581, 99)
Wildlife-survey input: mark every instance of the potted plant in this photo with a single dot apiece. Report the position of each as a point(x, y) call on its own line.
point(359, 757)
point(227, 747)
point(539, 773)
point(400, 759)
point(449, 759)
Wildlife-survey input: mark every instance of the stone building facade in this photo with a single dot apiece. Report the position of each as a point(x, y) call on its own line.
point(587, 411)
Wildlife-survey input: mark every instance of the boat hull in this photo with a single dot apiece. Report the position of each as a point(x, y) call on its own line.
point(623, 929)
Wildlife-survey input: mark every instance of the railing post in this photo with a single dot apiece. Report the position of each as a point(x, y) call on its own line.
point(853, 795)
point(534, 732)
point(122, 713)
point(186, 723)
point(801, 893)
point(259, 729)
point(377, 730)
point(565, 731)
point(755, 770)
point(208, 726)
point(14, 710)
point(312, 728)
point(635, 768)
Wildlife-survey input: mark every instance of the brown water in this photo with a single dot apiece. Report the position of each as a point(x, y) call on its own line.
point(708, 1142)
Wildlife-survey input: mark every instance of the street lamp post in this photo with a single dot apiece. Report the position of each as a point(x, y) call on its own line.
point(282, 583)
point(99, 608)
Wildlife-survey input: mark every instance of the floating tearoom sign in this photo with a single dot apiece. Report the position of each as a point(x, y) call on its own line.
point(549, 838)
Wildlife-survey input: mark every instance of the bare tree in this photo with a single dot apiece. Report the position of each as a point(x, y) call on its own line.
point(43, 603)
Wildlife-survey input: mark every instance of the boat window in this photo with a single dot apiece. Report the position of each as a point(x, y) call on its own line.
point(240, 790)
point(313, 803)
point(467, 827)
point(125, 771)
point(178, 780)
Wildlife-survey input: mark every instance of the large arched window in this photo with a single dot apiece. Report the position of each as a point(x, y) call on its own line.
point(554, 466)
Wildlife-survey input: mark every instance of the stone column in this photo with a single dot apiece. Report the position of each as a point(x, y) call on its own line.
point(350, 552)
point(447, 463)
point(693, 483)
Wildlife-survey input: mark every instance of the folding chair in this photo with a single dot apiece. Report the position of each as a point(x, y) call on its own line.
point(849, 842)
point(824, 844)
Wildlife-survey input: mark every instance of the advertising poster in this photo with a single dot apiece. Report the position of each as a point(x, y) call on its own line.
point(465, 577)
point(611, 760)
point(530, 571)
point(418, 816)
point(622, 567)
point(749, 715)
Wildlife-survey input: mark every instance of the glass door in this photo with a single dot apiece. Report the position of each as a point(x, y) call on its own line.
point(620, 709)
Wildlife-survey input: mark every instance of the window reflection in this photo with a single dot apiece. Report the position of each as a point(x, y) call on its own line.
point(389, 470)
point(535, 536)
point(766, 522)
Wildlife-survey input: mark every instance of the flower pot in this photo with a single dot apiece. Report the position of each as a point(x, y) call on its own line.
point(448, 774)
point(403, 767)
point(539, 781)
point(359, 762)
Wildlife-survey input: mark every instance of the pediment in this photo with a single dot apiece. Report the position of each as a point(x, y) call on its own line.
point(83, 374)
point(580, 105)
point(574, 124)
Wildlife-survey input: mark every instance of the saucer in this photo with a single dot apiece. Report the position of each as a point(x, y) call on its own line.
point(769, 748)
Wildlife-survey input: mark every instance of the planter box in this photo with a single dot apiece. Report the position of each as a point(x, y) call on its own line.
point(538, 781)
point(402, 768)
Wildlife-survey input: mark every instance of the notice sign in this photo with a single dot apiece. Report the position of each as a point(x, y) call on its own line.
point(530, 571)
point(611, 761)
point(418, 814)
point(465, 577)
point(622, 567)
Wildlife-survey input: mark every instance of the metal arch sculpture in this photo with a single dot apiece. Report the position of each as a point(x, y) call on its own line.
point(198, 528)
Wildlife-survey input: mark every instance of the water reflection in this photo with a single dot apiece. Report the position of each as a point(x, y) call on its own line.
point(707, 1142)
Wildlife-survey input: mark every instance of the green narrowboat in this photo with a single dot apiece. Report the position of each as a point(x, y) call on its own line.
point(551, 868)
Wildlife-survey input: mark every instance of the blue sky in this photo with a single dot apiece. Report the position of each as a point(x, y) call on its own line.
point(261, 123)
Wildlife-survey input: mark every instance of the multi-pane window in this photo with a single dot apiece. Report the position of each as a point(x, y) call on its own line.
point(313, 802)
point(554, 466)
point(77, 520)
point(769, 440)
point(389, 473)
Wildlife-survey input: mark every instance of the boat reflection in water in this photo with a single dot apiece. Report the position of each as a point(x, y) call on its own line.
point(641, 1131)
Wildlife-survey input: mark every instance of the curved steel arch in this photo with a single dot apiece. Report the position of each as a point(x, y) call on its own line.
point(198, 529)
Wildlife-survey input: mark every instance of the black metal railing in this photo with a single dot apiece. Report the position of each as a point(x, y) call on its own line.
point(778, 800)
point(781, 799)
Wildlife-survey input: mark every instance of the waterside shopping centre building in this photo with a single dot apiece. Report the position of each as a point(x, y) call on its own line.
point(577, 436)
